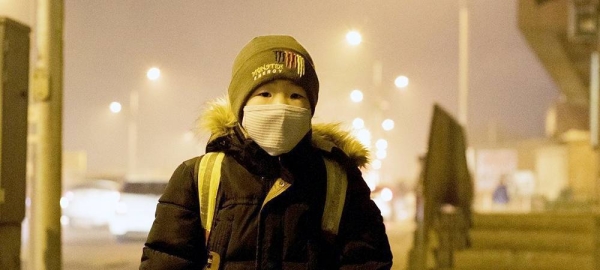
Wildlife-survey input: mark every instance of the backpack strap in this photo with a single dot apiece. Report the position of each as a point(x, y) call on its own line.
point(337, 184)
point(209, 178)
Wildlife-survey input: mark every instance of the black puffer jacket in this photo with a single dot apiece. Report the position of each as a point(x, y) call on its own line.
point(286, 232)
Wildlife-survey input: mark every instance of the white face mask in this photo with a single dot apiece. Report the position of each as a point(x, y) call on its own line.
point(276, 128)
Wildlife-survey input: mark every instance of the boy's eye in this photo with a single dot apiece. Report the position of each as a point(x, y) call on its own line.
point(296, 96)
point(264, 94)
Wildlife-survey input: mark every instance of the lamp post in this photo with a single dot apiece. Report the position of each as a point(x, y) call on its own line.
point(45, 228)
point(463, 64)
point(132, 128)
point(381, 102)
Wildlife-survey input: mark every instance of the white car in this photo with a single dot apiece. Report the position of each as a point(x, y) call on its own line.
point(135, 209)
point(383, 198)
point(90, 204)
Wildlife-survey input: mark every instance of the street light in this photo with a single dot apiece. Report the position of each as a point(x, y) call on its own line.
point(463, 62)
point(376, 164)
point(358, 123)
point(381, 101)
point(387, 124)
point(381, 154)
point(153, 74)
point(354, 38)
point(115, 107)
point(364, 136)
point(381, 144)
point(188, 136)
point(356, 95)
point(132, 135)
point(401, 82)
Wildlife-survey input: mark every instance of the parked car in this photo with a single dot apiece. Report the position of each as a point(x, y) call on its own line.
point(90, 204)
point(383, 198)
point(135, 209)
point(395, 203)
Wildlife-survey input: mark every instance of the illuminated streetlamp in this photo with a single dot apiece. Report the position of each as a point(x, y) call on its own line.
point(387, 194)
point(188, 136)
point(358, 123)
point(401, 82)
point(376, 164)
point(381, 154)
point(380, 101)
point(356, 96)
point(387, 124)
point(381, 144)
point(353, 38)
point(134, 101)
point(153, 74)
point(115, 107)
point(364, 136)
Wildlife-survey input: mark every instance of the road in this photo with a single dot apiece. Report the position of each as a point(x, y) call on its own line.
point(96, 249)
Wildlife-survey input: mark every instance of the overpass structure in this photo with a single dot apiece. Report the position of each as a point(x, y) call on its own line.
point(564, 36)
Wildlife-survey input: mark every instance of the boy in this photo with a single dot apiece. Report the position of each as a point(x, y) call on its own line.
point(281, 180)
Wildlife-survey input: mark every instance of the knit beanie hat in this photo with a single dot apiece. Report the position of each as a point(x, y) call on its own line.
point(267, 58)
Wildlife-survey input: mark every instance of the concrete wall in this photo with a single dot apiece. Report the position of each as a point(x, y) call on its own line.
point(583, 170)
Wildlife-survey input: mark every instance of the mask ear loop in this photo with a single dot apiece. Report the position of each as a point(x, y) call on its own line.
point(241, 133)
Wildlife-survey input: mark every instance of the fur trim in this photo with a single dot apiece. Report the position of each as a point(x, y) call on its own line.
point(332, 133)
point(218, 119)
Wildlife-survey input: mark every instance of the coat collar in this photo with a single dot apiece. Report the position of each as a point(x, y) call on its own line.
point(219, 120)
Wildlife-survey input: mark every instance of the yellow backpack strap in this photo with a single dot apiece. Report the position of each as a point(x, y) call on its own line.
point(337, 184)
point(209, 178)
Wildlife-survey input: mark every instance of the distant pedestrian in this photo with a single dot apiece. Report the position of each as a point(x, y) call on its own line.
point(291, 194)
point(500, 195)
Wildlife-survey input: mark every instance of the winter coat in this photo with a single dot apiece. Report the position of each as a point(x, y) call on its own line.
point(285, 232)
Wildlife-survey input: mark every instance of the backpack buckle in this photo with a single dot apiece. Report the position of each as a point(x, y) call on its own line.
point(213, 262)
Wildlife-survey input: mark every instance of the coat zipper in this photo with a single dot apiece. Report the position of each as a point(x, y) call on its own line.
point(278, 187)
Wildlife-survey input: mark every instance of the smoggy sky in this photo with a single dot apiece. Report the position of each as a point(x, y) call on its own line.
point(109, 46)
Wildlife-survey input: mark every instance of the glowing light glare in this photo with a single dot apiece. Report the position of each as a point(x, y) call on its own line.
point(64, 220)
point(188, 136)
point(356, 95)
point(121, 208)
point(115, 107)
point(386, 194)
point(364, 136)
point(372, 178)
point(381, 154)
point(401, 81)
point(358, 123)
point(381, 144)
point(354, 38)
point(376, 164)
point(64, 202)
point(387, 124)
point(153, 74)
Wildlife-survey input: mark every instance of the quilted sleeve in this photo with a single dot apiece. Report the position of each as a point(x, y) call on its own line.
point(176, 239)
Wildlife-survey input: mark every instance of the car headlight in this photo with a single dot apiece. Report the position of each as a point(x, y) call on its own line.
point(64, 202)
point(386, 194)
point(121, 208)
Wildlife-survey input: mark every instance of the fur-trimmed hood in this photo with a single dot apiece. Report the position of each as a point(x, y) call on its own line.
point(218, 119)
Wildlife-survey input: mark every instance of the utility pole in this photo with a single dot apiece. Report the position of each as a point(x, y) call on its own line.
point(594, 105)
point(594, 97)
point(132, 134)
point(47, 101)
point(463, 63)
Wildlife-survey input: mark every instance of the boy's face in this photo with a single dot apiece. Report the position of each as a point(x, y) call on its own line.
point(279, 92)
